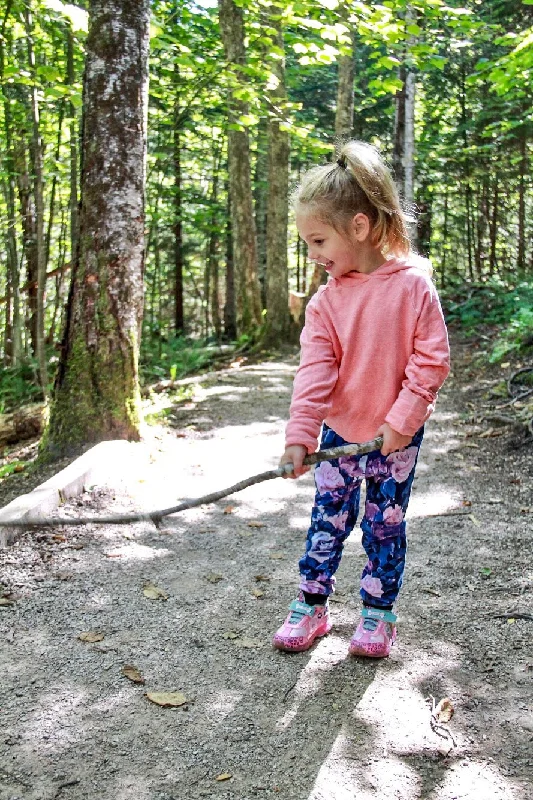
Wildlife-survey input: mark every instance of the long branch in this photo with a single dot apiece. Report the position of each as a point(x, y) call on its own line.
point(157, 515)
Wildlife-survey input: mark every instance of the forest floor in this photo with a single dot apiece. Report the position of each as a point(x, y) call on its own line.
point(254, 722)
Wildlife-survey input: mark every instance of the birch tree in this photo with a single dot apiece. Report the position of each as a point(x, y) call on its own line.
point(96, 394)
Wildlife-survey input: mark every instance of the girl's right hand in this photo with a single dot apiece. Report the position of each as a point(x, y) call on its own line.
point(294, 454)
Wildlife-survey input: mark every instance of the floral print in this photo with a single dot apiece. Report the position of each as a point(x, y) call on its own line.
point(327, 477)
point(334, 515)
point(372, 586)
point(393, 515)
point(402, 462)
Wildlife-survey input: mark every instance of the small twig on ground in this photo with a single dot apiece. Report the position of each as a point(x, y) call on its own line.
point(448, 514)
point(513, 615)
point(437, 727)
point(289, 690)
point(65, 785)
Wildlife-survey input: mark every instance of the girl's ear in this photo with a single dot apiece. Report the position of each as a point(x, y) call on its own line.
point(361, 227)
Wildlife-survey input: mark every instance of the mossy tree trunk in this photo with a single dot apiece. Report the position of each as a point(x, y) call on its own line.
point(243, 226)
point(96, 395)
point(279, 327)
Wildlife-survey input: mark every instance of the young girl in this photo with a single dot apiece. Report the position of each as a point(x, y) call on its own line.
point(374, 353)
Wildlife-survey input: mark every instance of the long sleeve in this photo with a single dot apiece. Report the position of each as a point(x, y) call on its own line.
point(314, 382)
point(426, 369)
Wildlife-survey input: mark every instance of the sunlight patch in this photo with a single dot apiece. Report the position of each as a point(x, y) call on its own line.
point(329, 652)
point(224, 704)
point(340, 779)
point(471, 779)
point(137, 552)
point(436, 501)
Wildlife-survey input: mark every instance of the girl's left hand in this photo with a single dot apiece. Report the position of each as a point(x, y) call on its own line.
point(392, 440)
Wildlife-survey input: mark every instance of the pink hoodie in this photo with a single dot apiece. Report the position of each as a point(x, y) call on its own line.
point(374, 350)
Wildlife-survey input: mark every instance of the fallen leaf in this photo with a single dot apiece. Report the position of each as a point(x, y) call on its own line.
point(224, 776)
point(231, 635)
point(153, 592)
point(277, 554)
point(257, 593)
point(467, 502)
point(132, 673)
point(474, 520)
point(260, 578)
point(91, 636)
point(59, 538)
point(444, 710)
point(229, 509)
point(511, 621)
point(256, 524)
point(4, 601)
point(214, 577)
point(167, 699)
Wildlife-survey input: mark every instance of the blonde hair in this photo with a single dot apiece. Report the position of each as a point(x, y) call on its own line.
point(358, 182)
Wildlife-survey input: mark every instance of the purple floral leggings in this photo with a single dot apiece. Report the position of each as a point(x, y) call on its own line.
point(338, 484)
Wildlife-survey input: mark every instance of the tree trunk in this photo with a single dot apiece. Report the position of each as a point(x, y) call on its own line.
point(37, 159)
point(279, 324)
point(97, 394)
point(398, 163)
point(178, 225)
point(60, 279)
point(521, 254)
point(260, 192)
point(73, 200)
point(51, 208)
point(409, 139)
point(230, 311)
point(404, 125)
point(424, 219)
point(13, 338)
point(344, 110)
point(494, 225)
point(29, 239)
point(213, 296)
point(468, 188)
point(444, 267)
point(248, 294)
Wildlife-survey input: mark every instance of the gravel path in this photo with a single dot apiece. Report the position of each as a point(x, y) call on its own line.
point(254, 722)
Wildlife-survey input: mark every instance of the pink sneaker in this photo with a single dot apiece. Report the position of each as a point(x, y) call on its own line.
point(303, 625)
point(375, 634)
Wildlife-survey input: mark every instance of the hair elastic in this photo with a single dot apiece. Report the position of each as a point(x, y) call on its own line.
point(342, 162)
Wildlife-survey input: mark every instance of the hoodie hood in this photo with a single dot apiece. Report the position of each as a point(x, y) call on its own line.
point(389, 267)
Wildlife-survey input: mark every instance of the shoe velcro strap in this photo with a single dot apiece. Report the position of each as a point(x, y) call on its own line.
point(301, 608)
point(379, 614)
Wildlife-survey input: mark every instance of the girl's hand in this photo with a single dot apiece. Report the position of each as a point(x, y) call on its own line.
point(294, 454)
point(392, 440)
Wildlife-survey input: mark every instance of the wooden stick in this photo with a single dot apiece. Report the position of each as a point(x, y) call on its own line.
point(157, 516)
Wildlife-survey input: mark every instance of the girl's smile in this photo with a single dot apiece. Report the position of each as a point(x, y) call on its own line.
point(339, 253)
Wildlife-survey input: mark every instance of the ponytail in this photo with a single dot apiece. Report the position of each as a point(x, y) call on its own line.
point(358, 182)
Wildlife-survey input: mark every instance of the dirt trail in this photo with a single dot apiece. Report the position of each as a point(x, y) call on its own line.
point(312, 726)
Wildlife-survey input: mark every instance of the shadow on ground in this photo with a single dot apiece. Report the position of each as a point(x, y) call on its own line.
point(259, 723)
